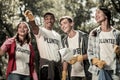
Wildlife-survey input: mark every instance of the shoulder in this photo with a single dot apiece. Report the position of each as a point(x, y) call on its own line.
point(55, 33)
point(64, 36)
point(116, 30)
point(95, 32)
point(83, 34)
point(116, 33)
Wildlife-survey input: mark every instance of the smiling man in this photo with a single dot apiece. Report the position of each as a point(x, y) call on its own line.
point(48, 43)
point(76, 41)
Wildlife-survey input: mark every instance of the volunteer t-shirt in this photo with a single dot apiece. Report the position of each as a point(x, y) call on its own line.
point(107, 41)
point(77, 68)
point(48, 42)
point(22, 59)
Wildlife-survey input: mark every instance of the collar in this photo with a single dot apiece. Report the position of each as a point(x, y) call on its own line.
point(99, 29)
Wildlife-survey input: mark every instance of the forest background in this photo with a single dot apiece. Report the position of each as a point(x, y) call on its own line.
point(11, 13)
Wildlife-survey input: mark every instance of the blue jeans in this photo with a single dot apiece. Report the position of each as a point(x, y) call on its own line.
point(14, 76)
point(114, 77)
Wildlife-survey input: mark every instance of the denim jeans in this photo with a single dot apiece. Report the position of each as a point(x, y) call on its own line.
point(14, 76)
point(114, 77)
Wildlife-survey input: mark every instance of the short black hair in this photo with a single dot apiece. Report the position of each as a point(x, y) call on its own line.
point(49, 13)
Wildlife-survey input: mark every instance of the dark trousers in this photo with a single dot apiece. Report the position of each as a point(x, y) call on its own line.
point(49, 70)
point(78, 78)
point(44, 74)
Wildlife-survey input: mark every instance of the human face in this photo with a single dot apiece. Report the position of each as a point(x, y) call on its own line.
point(100, 16)
point(49, 22)
point(66, 26)
point(22, 30)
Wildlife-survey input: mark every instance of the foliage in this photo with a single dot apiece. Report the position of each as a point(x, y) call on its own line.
point(11, 12)
point(7, 13)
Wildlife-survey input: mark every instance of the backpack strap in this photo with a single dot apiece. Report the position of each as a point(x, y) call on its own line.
point(80, 42)
point(83, 40)
point(65, 42)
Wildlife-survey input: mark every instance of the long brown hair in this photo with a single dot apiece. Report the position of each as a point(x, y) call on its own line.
point(27, 37)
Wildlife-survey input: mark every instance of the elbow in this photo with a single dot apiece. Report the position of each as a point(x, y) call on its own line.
point(85, 57)
point(1, 52)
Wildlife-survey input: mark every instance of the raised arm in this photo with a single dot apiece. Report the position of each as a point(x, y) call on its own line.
point(30, 16)
point(6, 45)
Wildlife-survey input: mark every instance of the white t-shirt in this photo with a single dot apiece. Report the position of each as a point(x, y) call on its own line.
point(22, 59)
point(77, 68)
point(107, 41)
point(48, 42)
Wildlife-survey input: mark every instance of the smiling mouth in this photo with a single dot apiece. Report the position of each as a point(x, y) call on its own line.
point(22, 31)
point(49, 23)
point(64, 28)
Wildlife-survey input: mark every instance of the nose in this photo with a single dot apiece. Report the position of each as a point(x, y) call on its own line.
point(49, 20)
point(22, 27)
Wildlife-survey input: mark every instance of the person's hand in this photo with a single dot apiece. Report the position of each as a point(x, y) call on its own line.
point(73, 60)
point(79, 58)
point(29, 15)
point(98, 63)
point(7, 43)
point(117, 49)
point(101, 64)
point(64, 75)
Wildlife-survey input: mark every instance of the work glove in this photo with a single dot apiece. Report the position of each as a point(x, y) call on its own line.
point(117, 49)
point(64, 75)
point(79, 58)
point(73, 60)
point(94, 61)
point(101, 64)
point(98, 63)
point(29, 15)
